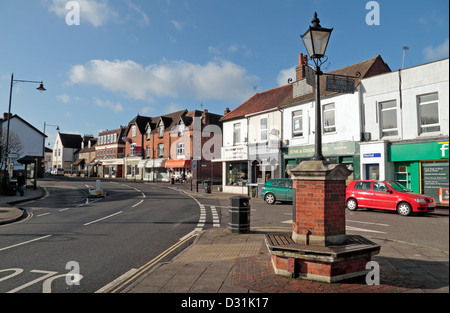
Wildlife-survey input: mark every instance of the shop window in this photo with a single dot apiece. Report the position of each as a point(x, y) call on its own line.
point(297, 123)
point(329, 120)
point(429, 113)
point(237, 173)
point(388, 118)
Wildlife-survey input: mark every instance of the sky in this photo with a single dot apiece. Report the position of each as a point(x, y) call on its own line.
point(119, 58)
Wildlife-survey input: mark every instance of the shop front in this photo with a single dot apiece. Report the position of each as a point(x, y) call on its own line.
point(338, 153)
point(423, 167)
point(111, 168)
point(179, 169)
point(235, 169)
point(155, 170)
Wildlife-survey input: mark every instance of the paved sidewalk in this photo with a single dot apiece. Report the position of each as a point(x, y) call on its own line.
point(222, 262)
point(9, 213)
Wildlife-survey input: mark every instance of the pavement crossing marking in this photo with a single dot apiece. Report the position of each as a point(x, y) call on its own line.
point(216, 220)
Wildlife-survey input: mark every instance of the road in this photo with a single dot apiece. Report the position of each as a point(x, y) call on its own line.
point(70, 243)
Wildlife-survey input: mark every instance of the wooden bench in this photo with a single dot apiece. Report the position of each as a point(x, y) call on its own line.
point(352, 244)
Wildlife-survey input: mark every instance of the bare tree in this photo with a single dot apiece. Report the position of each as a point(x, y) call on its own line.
point(14, 146)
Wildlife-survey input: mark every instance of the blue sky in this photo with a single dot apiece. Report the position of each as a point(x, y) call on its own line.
point(152, 57)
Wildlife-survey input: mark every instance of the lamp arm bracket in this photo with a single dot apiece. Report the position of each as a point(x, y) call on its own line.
point(357, 75)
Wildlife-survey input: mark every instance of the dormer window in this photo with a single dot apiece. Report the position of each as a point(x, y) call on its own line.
point(161, 130)
point(180, 129)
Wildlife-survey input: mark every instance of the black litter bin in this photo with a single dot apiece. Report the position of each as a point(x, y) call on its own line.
point(239, 215)
point(207, 185)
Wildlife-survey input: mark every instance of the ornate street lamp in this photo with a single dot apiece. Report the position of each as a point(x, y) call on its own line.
point(40, 88)
point(316, 41)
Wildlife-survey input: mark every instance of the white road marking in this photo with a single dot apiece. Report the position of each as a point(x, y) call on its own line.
point(24, 243)
point(104, 218)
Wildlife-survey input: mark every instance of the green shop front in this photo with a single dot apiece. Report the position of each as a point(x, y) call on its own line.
point(422, 167)
point(339, 153)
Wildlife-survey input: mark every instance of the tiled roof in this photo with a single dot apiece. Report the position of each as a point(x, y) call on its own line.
point(71, 140)
point(261, 101)
point(283, 95)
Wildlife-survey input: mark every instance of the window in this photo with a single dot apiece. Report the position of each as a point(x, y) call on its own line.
point(236, 173)
point(161, 130)
point(329, 122)
point(180, 129)
point(147, 151)
point(133, 131)
point(388, 118)
point(429, 113)
point(236, 133)
point(132, 147)
point(363, 185)
point(263, 129)
point(161, 150)
point(148, 133)
point(180, 149)
point(297, 123)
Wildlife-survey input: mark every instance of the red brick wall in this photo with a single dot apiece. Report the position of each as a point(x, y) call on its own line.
point(320, 207)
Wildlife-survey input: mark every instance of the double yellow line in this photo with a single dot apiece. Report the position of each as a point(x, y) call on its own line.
point(143, 269)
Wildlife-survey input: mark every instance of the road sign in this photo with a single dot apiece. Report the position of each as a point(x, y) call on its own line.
point(340, 84)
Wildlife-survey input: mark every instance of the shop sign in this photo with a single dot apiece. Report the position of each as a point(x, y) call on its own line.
point(234, 153)
point(331, 149)
point(372, 155)
point(422, 151)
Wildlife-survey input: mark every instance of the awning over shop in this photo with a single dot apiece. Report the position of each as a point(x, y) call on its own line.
point(27, 160)
point(79, 162)
point(181, 163)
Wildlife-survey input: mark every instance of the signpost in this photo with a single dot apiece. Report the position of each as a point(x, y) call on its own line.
point(340, 84)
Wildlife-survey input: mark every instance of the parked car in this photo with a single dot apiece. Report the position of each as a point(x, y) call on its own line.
point(57, 172)
point(279, 189)
point(386, 195)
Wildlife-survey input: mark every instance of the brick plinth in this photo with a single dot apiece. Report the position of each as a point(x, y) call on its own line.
point(320, 271)
point(320, 212)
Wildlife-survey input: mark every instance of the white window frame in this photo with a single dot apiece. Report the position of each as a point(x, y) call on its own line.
point(329, 107)
point(263, 132)
point(133, 131)
point(422, 104)
point(297, 115)
point(384, 130)
point(180, 149)
point(236, 133)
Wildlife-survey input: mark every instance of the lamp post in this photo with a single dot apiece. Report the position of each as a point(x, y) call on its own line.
point(40, 88)
point(316, 41)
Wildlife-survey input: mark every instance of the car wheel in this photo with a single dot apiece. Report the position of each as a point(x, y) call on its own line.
point(270, 198)
point(404, 209)
point(352, 205)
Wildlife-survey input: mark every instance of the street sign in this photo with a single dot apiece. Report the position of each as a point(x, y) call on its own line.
point(340, 84)
point(13, 155)
point(310, 76)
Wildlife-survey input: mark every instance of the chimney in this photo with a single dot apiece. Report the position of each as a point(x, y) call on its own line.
point(205, 116)
point(5, 116)
point(227, 110)
point(300, 69)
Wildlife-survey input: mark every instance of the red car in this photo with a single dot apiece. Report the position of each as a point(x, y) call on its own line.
point(386, 195)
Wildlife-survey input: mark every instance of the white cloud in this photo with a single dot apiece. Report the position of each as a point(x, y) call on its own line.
point(438, 52)
point(63, 98)
point(284, 75)
point(177, 24)
point(220, 80)
point(96, 12)
point(109, 105)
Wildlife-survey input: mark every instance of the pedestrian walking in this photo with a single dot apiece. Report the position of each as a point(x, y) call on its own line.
point(21, 183)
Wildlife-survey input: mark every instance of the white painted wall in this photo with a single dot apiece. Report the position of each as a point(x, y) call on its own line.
point(416, 81)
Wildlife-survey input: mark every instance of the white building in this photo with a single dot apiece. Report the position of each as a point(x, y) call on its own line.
point(63, 150)
point(342, 126)
point(406, 116)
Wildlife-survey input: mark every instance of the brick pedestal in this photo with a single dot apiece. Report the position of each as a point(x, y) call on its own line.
point(319, 248)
